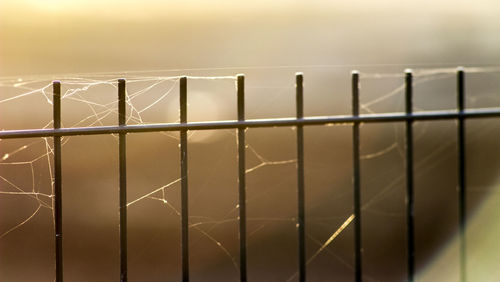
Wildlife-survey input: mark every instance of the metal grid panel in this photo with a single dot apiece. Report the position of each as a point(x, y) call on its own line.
point(241, 125)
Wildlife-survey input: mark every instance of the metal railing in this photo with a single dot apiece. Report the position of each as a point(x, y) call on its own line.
point(409, 117)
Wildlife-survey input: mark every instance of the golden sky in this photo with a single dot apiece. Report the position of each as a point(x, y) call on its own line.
point(56, 36)
point(171, 8)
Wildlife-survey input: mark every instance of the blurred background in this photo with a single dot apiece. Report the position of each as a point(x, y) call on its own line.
point(89, 44)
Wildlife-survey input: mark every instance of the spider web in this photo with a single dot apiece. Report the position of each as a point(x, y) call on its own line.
point(26, 167)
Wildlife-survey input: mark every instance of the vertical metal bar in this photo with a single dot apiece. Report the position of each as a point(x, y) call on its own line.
point(184, 181)
point(356, 179)
point(56, 103)
point(409, 175)
point(241, 178)
point(461, 172)
point(123, 181)
point(299, 79)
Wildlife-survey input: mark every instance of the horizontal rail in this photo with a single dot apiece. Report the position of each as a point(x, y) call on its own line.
point(252, 123)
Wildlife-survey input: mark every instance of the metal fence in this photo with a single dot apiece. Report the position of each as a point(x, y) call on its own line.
point(122, 129)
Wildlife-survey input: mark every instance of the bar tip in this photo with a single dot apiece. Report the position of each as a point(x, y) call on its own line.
point(56, 82)
point(240, 75)
point(299, 74)
point(121, 80)
point(408, 71)
point(354, 72)
point(460, 69)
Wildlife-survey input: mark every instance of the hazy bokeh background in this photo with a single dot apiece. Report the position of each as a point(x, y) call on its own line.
point(88, 36)
point(269, 42)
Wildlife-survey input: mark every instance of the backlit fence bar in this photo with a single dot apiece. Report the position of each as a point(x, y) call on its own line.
point(461, 172)
point(301, 219)
point(251, 123)
point(410, 230)
point(56, 103)
point(242, 205)
point(122, 139)
point(241, 124)
point(356, 178)
point(184, 181)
